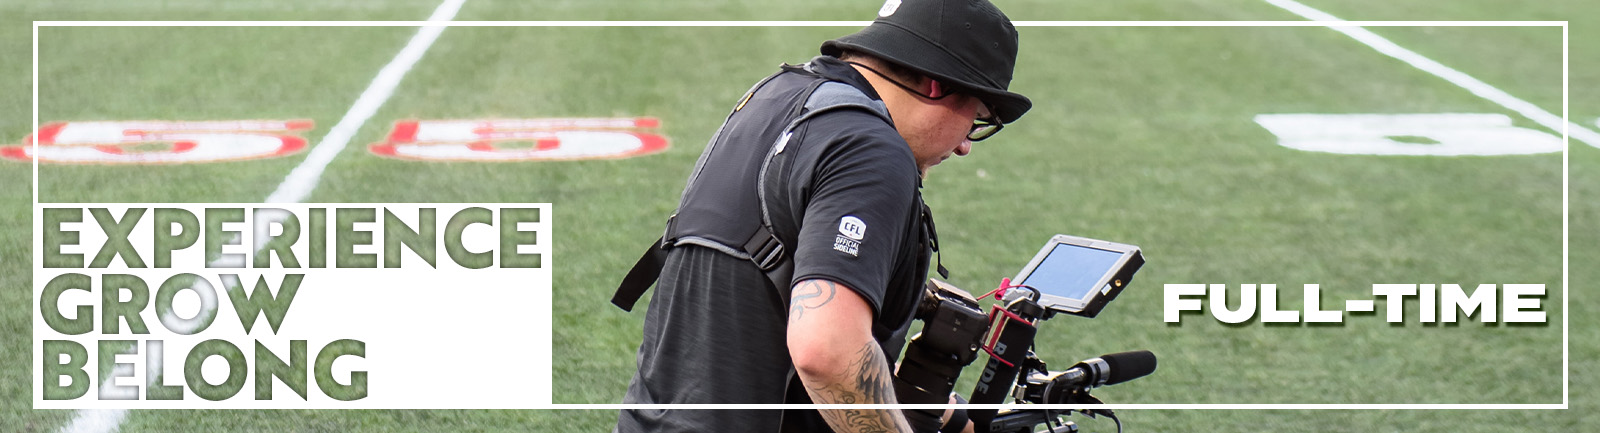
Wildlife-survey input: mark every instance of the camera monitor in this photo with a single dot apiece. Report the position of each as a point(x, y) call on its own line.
point(1079, 276)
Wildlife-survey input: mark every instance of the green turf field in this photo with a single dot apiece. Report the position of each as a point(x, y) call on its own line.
point(1141, 135)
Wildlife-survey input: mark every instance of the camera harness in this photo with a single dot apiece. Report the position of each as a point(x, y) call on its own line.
point(764, 247)
point(801, 93)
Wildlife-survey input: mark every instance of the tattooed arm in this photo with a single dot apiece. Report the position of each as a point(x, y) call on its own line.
point(830, 341)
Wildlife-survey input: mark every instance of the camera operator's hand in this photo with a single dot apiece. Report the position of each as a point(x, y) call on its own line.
point(958, 415)
point(830, 341)
point(953, 420)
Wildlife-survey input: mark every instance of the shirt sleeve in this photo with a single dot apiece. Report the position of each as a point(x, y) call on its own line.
point(860, 195)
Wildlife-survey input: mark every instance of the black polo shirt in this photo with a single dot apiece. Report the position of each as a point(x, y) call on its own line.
point(716, 330)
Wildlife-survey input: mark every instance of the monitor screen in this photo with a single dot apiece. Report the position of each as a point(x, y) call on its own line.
point(1071, 271)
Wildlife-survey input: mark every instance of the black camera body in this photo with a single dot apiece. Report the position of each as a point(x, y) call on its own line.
point(952, 332)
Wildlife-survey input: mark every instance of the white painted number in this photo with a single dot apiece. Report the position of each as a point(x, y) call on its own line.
point(521, 139)
point(160, 142)
point(1408, 134)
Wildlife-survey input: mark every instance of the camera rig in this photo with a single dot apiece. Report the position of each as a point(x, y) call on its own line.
point(955, 329)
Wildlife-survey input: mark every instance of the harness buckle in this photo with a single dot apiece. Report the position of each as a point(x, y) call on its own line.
point(768, 254)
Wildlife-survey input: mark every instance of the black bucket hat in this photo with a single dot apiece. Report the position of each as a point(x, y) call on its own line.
point(969, 44)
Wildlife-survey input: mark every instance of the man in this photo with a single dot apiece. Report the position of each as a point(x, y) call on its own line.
point(797, 256)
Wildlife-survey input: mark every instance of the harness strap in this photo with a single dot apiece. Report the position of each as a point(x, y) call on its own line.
point(933, 241)
point(644, 273)
point(769, 254)
point(824, 97)
point(764, 248)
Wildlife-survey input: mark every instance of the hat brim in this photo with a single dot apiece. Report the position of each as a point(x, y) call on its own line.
point(894, 44)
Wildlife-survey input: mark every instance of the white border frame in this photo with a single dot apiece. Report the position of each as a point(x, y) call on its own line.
point(1565, 161)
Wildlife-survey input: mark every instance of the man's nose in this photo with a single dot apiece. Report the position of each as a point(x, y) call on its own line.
point(964, 148)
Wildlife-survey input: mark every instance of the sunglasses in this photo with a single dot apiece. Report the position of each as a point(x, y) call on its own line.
point(986, 125)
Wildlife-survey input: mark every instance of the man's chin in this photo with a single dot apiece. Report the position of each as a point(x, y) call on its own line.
point(929, 167)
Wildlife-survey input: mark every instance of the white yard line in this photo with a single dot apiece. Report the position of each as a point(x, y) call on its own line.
point(1559, 124)
point(1484, 90)
point(304, 177)
point(298, 185)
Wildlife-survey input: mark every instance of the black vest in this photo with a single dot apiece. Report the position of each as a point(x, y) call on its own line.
point(737, 218)
point(747, 219)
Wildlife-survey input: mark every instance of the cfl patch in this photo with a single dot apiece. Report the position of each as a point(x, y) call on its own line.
point(851, 231)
